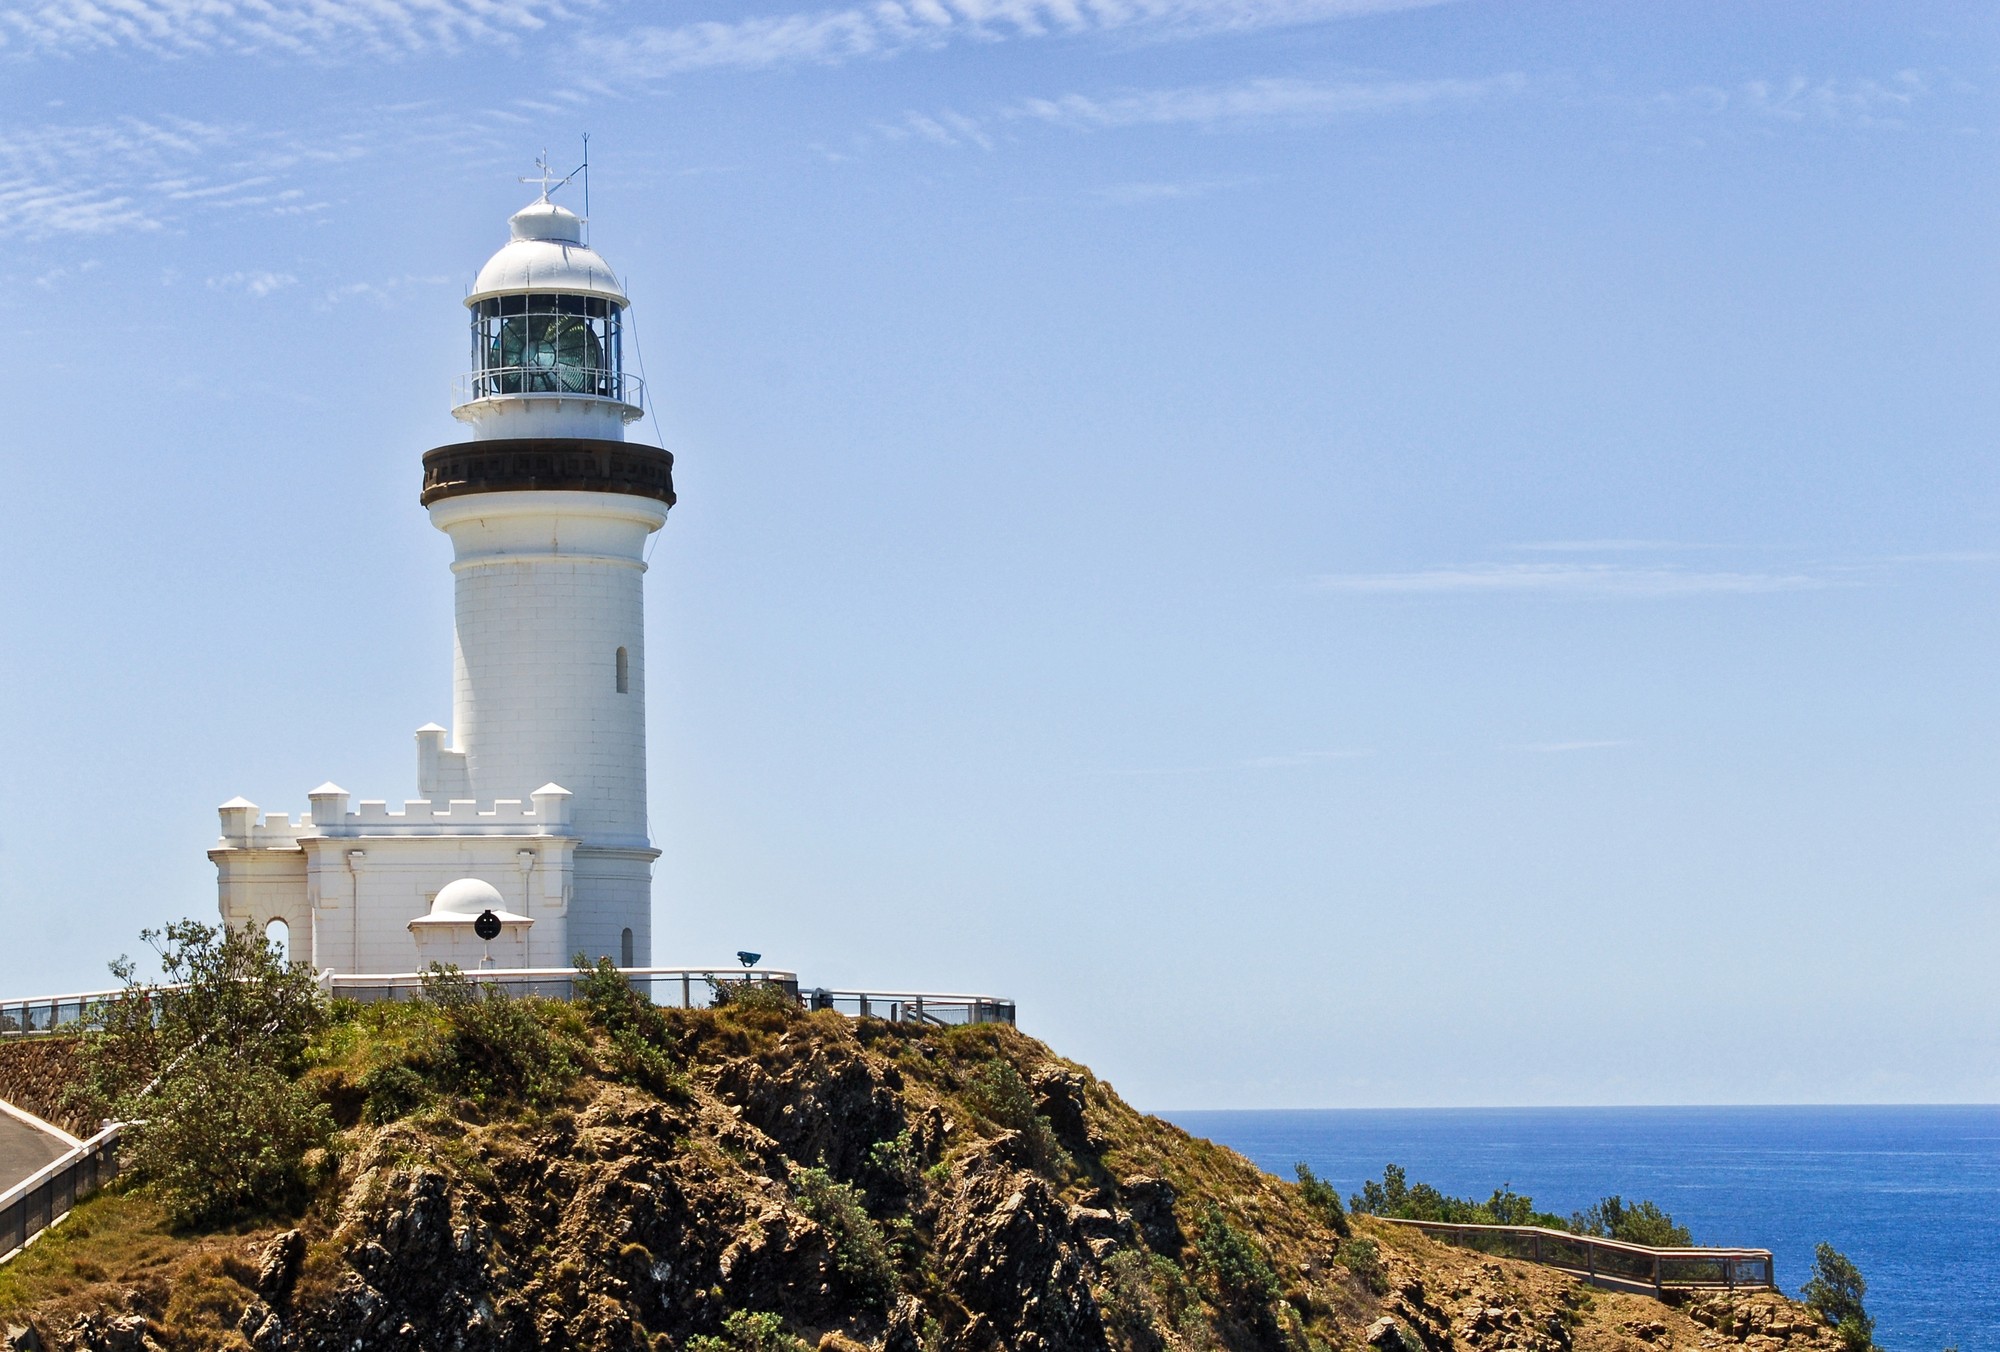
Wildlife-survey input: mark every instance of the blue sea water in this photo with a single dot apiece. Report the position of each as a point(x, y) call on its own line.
point(1911, 1194)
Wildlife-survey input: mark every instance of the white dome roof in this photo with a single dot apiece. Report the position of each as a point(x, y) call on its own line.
point(546, 253)
point(467, 896)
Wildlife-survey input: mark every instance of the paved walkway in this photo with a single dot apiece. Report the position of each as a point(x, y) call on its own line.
point(24, 1149)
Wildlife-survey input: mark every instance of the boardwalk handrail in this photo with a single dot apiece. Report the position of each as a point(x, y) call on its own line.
point(1608, 1262)
point(665, 985)
point(47, 1195)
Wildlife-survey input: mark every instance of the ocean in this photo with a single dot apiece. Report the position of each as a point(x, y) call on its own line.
point(1912, 1195)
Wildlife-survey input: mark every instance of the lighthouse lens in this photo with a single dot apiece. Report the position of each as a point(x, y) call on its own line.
point(548, 345)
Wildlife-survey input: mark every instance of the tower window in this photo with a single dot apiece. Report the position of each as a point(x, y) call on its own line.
point(624, 674)
point(625, 949)
point(279, 936)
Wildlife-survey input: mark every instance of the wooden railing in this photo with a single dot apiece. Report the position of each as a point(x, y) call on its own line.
point(47, 1195)
point(1609, 1262)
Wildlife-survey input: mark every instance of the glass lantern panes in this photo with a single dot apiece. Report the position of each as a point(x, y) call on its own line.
point(547, 344)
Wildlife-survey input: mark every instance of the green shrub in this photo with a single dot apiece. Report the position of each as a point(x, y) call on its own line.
point(1322, 1199)
point(1363, 1258)
point(752, 995)
point(1834, 1293)
point(1241, 1272)
point(391, 1091)
point(1631, 1223)
point(896, 1163)
point(747, 1332)
point(1144, 1297)
point(641, 1040)
point(860, 1252)
point(489, 1046)
point(998, 1093)
point(1395, 1196)
point(226, 1137)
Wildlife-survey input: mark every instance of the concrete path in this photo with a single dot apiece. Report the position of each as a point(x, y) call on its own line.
point(24, 1148)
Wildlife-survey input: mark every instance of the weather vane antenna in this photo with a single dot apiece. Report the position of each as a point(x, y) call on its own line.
point(547, 177)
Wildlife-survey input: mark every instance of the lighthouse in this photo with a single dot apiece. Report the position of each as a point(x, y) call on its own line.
point(531, 806)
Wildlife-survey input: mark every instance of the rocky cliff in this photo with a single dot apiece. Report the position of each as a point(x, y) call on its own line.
point(800, 1180)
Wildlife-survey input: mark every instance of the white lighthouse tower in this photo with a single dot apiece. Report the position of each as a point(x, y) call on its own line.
point(537, 793)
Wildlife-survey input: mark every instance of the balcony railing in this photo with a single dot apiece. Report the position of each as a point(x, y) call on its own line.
point(570, 382)
point(1608, 1262)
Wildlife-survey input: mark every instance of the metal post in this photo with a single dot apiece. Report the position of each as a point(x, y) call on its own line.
point(686, 998)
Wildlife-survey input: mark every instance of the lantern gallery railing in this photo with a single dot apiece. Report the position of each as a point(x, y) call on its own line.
point(558, 378)
point(47, 1195)
point(1609, 1262)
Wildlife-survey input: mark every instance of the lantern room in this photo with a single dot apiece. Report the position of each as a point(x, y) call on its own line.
point(548, 337)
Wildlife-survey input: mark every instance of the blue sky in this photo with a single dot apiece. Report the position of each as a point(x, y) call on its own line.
point(1343, 553)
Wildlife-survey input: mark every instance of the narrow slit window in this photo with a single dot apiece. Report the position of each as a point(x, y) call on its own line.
point(625, 949)
point(624, 674)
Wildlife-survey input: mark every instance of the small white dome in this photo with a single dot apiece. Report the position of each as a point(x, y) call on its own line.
point(546, 254)
point(546, 220)
point(467, 896)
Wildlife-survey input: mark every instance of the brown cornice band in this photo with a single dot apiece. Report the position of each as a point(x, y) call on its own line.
point(574, 464)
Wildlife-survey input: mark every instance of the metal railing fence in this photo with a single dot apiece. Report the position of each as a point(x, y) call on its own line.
point(47, 1195)
point(1608, 1262)
point(685, 987)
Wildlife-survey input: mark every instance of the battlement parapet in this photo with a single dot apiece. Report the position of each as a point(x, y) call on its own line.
point(546, 812)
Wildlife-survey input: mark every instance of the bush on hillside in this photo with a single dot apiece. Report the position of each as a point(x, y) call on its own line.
point(641, 1041)
point(860, 1253)
point(227, 1138)
point(487, 1045)
point(749, 995)
point(1322, 1199)
point(1242, 1273)
point(1363, 1258)
point(1396, 1197)
point(744, 1331)
point(1834, 1293)
point(1631, 1223)
point(1145, 1298)
point(998, 1093)
point(205, 1072)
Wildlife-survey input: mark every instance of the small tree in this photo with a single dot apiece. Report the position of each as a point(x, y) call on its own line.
point(860, 1253)
point(745, 1331)
point(1632, 1223)
point(1322, 1199)
point(203, 1068)
point(1242, 1273)
point(1834, 1293)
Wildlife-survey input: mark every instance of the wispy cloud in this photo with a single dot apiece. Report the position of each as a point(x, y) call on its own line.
point(1564, 579)
point(1860, 102)
point(1614, 546)
point(314, 29)
point(1556, 748)
point(892, 27)
point(1299, 759)
point(258, 284)
point(1269, 99)
point(946, 128)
